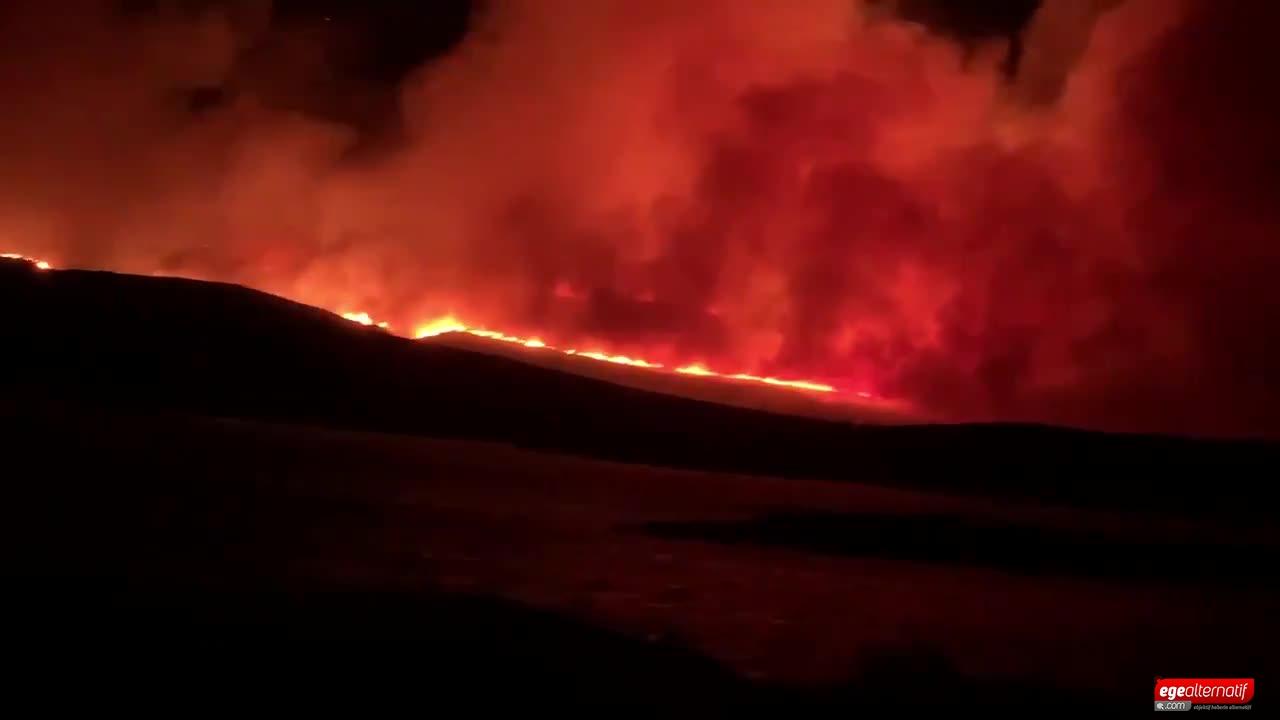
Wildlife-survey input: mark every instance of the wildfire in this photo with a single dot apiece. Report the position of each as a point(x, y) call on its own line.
point(695, 370)
point(446, 324)
point(617, 359)
point(798, 384)
point(364, 319)
point(41, 264)
point(451, 324)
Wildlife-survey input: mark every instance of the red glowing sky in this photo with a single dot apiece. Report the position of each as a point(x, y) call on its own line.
point(792, 188)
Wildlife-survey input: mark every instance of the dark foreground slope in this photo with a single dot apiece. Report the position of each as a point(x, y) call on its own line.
point(188, 516)
point(209, 560)
point(184, 347)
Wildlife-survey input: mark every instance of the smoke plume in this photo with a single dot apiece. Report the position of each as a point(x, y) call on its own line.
point(808, 188)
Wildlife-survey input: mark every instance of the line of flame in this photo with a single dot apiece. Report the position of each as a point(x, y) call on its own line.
point(450, 324)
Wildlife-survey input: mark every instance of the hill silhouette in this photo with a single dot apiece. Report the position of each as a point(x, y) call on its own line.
point(250, 495)
point(166, 345)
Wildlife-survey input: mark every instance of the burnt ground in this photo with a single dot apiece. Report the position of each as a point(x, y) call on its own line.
point(193, 468)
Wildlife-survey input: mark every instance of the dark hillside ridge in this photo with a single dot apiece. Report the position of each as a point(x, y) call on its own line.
point(132, 344)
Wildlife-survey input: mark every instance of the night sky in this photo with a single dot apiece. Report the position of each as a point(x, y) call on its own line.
point(410, 33)
point(391, 39)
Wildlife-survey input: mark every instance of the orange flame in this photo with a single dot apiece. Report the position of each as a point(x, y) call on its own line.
point(701, 371)
point(695, 370)
point(451, 324)
point(40, 264)
point(364, 319)
point(439, 326)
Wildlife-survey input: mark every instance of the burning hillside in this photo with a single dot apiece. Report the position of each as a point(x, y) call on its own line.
point(816, 193)
point(39, 264)
point(449, 324)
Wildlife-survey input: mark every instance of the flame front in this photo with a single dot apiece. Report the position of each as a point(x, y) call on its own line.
point(41, 264)
point(364, 319)
point(451, 324)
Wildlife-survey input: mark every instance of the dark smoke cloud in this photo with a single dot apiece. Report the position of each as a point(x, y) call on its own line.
point(779, 187)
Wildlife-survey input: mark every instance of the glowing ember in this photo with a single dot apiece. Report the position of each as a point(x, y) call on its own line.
point(41, 264)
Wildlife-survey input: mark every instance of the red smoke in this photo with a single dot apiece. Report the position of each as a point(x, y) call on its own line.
point(781, 187)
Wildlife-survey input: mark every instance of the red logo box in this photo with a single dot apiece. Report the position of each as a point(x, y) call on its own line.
point(1206, 691)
